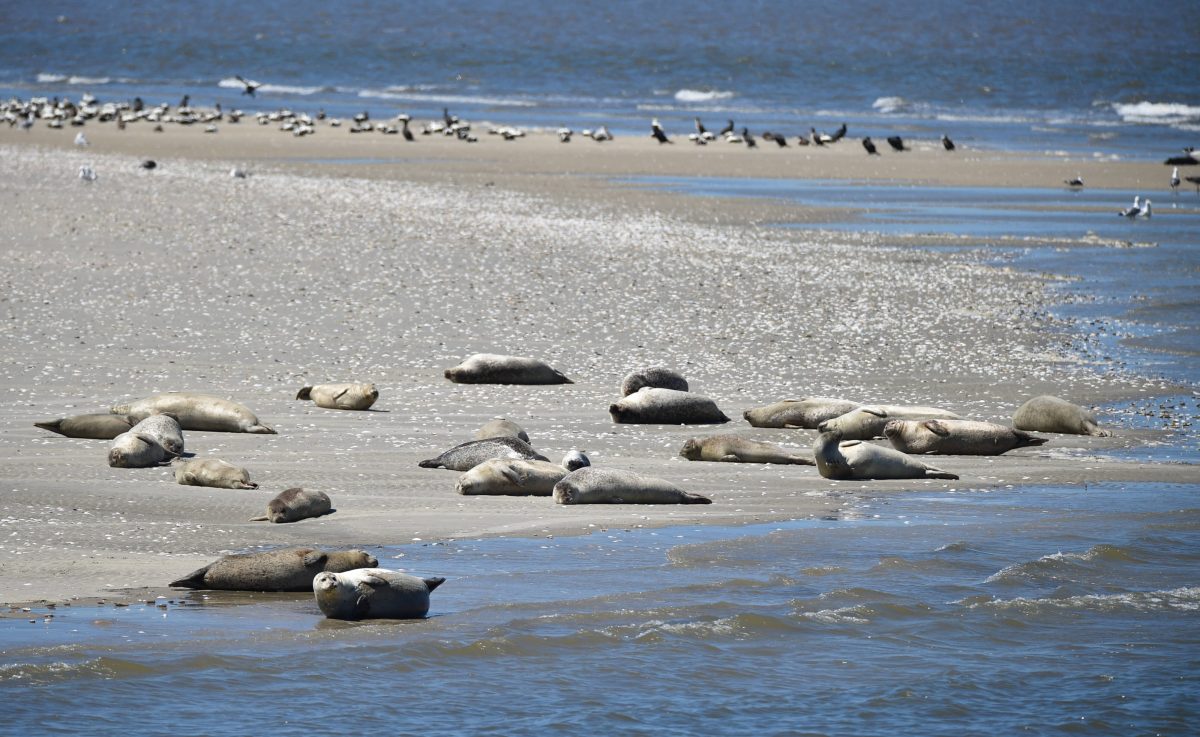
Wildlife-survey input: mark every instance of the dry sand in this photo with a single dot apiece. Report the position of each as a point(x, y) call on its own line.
point(308, 271)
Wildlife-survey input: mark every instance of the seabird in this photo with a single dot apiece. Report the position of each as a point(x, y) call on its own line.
point(564, 135)
point(250, 85)
point(839, 134)
point(80, 139)
point(751, 144)
point(779, 140)
point(896, 142)
point(819, 139)
point(947, 143)
point(727, 129)
point(869, 145)
point(602, 134)
point(657, 132)
point(1132, 211)
point(149, 164)
point(87, 174)
point(700, 129)
point(408, 135)
point(1175, 180)
point(1076, 182)
point(1145, 212)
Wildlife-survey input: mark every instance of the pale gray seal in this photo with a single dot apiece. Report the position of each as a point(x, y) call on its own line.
point(295, 504)
point(857, 459)
point(867, 422)
point(373, 593)
point(1051, 414)
point(517, 477)
point(165, 430)
point(197, 412)
point(490, 368)
point(612, 486)
point(212, 472)
point(661, 378)
point(956, 437)
point(733, 449)
point(99, 427)
point(805, 413)
point(291, 569)
point(142, 446)
point(465, 456)
point(501, 428)
point(340, 396)
point(650, 405)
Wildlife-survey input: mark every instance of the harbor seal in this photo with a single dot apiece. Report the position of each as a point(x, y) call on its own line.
point(805, 413)
point(197, 412)
point(857, 459)
point(295, 504)
point(142, 445)
point(501, 428)
point(613, 486)
point(491, 368)
point(517, 477)
point(657, 377)
point(733, 449)
point(340, 396)
point(867, 422)
point(165, 430)
point(98, 427)
point(1051, 414)
point(373, 593)
point(956, 437)
point(212, 472)
point(290, 569)
point(650, 405)
point(465, 456)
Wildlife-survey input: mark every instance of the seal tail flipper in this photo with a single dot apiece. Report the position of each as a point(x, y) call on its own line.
point(937, 473)
point(304, 393)
point(261, 429)
point(696, 499)
point(430, 463)
point(246, 485)
point(1025, 440)
point(52, 426)
point(263, 518)
point(194, 580)
point(433, 582)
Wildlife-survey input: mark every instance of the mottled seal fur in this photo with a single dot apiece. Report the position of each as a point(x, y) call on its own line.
point(806, 413)
point(465, 456)
point(292, 569)
point(501, 428)
point(491, 368)
point(734, 449)
point(165, 430)
point(197, 412)
point(295, 504)
point(98, 427)
point(212, 472)
point(1051, 414)
point(340, 396)
point(956, 437)
point(857, 459)
point(373, 593)
point(867, 422)
point(613, 486)
point(142, 445)
point(650, 405)
point(516, 477)
point(656, 377)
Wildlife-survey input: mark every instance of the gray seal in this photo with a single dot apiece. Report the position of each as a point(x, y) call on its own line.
point(98, 427)
point(517, 477)
point(295, 504)
point(1051, 414)
point(465, 456)
point(491, 368)
point(734, 449)
point(197, 412)
point(613, 486)
point(499, 427)
point(867, 422)
point(212, 472)
point(856, 459)
point(657, 377)
point(142, 446)
point(373, 593)
point(650, 405)
point(165, 430)
point(956, 437)
point(291, 569)
point(804, 413)
point(340, 396)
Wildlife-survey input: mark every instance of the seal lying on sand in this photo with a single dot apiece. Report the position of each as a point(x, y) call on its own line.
point(465, 456)
point(165, 430)
point(515, 477)
point(292, 569)
point(612, 486)
point(1051, 414)
point(805, 413)
point(856, 459)
point(373, 593)
point(340, 396)
point(98, 427)
point(956, 437)
point(656, 377)
point(196, 412)
point(650, 405)
point(733, 449)
point(212, 472)
point(867, 422)
point(143, 445)
point(490, 368)
point(295, 504)
point(501, 428)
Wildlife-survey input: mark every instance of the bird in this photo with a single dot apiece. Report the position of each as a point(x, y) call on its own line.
point(1195, 181)
point(1076, 182)
point(869, 145)
point(779, 140)
point(149, 164)
point(896, 142)
point(250, 85)
point(819, 139)
point(1133, 210)
point(657, 132)
point(727, 129)
point(81, 140)
point(701, 131)
point(839, 134)
point(751, 144)
point(1145, 211)
point(1175, 180)
point(408, 134)
point(602, 134)
point(237, 173)
point(564, 135)
point(947, 143)
point(87, 173)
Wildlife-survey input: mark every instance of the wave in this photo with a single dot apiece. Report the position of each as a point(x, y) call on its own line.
point(445, 98)
point(280, 89)
point(1056, 565)
point(1184, 599)
point(686, 95)
point(48, 78)
point(887, 105)
point(1164, 113)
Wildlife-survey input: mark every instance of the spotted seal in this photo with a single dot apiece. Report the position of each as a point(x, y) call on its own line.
point(465, 456)
point(491, 368)
point(956, 437)
point(805, 413)
point(734, 449)
point(291, 569)
point(1051, 414)
point(197, 412)
point(517, 477)
point(613, 486)
point(98, 427)
point(340, 396)
point(211, 472)
point(373, 593)
point(650, 405)
point(656, 376)
point(857, 459)
point(295, 504)
point(867, 422)
point(499, 427)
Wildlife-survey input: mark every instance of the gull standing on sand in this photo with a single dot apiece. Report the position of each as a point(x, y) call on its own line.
point(1133, 210)
point(87, 174)
point(1175, 180)
point(1145, 211)
point(1076, 182)
point(80, 139)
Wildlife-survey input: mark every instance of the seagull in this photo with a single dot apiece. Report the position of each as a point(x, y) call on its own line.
point(80, 139)
point(1145, 212)
point(1133, 210)
point(564, 135)
point(237, 173)
point(602, 134)
point(1175, 180)
point(896, 142)
point(869, 145)
point(408, 135)
point(250, 85)
point(87, 173)
point(1076, 182)
point(657, 132)
point(947, 143)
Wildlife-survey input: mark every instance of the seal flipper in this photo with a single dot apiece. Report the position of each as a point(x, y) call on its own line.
point(314, 558)
point(261, 429)
point(263, 518)
point(194, 580)
point(304, 393)
point(433, 582)
point(52, 426)
point(1025, 440)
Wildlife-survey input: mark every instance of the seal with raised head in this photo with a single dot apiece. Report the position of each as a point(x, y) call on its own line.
point(340, 396)
point(499, 427)
point(295, 504)
point(650, 405)
point(212, 472)
point(98, 427)
point(1051, 414)
point(465, 456)
point(491, 368)
point(291, 569)
point(165, 430)
point(867, 422)
point(655, 376)
point(373, 593)
point(515, 477)
point(614, 486)
point(856, 459)
point(956, 437)
point(734, 449)
point(197, 412)
point(805, 413)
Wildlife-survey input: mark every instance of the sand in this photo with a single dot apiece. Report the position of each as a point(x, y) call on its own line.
point(362, 258)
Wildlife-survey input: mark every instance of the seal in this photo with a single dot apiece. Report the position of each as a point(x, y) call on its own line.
point(340, 396)
point(650, 405)
point(212, 472)
point(612, 486)
point(165, 430)
point(501, 428)
point(465, 456)
point(516, 477)
point(867, 422)
point(290, 569)
point(295, 504)
point(98, 427)
point(956, 437)
point(1051, 414)
point(373, 593)
point(491, 368)
point(733, 449)
point(657, 377)
point(142, 445)
point(856, 459)
point(197, 412)
point(805, 413)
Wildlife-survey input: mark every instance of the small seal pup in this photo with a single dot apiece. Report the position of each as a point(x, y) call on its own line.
point(197, 412)
point(491, 368)
point(805, 413)
point(340, 396)
point(650, 405)
point(867, 422)
point(856, 459)
point(373, 593)
point(465, 456)
point(211, 472)
point(661, 378)
point(733, 449)
point(1051, 414)
point(613, 486)
point(98, 427)
point(295, 504)
point(290, 569)
point(165, 430)
point(956, 437)
point(499, 427)
point(516, 477)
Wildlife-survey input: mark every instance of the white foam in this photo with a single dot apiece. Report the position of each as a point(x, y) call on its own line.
point(891, 104)
point(463, 99)
point(282, 89)
point(46, 78)
point(51, 78)
point(1157, 112)
point(686, 95)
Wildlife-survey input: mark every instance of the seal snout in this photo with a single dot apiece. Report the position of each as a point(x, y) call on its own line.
point(893, 429)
